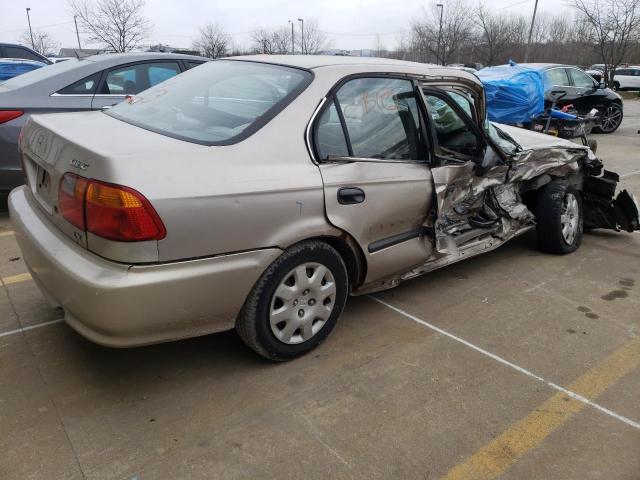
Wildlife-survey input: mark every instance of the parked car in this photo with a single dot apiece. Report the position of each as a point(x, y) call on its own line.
point(11, 50)
point(12, 67)
point(91, 83)
point(259, 192)
point(627, 78)
point(583, 92)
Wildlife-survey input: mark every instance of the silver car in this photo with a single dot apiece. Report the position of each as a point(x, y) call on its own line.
point(91, 83)
point(259, 192)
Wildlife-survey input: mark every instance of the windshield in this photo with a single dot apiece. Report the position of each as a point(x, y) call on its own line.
point(40, 74)
point(217, 103)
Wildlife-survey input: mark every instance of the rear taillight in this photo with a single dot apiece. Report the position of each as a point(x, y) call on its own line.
point(107, 210)
point(8, 115)
point(71, 199)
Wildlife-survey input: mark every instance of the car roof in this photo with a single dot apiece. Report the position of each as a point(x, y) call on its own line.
point(117, 58)
point(312, 62)
point(544, 66)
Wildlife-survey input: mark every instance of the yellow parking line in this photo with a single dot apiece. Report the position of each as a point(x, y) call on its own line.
point(23, 277)
point(498, 455)
point(6, 234)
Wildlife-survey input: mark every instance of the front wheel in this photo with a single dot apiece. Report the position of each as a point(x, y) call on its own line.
point(296, 302)
point(559, 218)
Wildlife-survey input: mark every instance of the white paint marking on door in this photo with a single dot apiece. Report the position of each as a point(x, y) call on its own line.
point(509, 364)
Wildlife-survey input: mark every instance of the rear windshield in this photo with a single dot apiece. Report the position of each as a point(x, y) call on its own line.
point(218, 103)
point(40, 74)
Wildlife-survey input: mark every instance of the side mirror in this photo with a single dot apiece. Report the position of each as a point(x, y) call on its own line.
point(602, 85)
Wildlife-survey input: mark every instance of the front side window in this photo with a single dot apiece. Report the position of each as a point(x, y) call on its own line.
point(133, 79)
point(580, 79)
point(455, 136)
point(217, 103)
point(382, 118)
point(123, 81)
point(159, 72)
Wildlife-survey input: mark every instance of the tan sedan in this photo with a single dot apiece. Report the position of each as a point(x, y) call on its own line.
point(259, 192)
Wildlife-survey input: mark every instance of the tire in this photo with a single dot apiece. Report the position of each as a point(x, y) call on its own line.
point(616, 86)
point(559, 218)
point(272, 325)
point(611, 119)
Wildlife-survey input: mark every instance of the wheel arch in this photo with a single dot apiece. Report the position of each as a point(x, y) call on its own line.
point(351, 254)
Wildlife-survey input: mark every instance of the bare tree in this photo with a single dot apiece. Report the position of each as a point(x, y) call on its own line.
point(315, 40)
point(117, 24)
point(271, 42)
point(43, 43)
point(496, 35)
point(457, 31)
point(213, 42)
point(616, 27)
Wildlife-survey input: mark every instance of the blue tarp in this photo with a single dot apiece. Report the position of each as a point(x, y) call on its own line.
point(514, 94)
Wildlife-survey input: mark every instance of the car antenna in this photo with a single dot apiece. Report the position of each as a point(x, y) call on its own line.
point(77, 56)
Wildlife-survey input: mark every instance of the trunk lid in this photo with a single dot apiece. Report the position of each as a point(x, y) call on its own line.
point(95, 146)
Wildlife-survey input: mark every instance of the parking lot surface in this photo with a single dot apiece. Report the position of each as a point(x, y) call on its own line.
point(511, 365)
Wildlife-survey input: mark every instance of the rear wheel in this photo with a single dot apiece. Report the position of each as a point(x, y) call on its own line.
point(611, 119)
point(616, 86)
point(559, 218)
point(296, 302)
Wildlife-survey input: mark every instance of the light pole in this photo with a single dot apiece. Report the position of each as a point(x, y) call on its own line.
point(533, 19)
point(33, 45)
point(293, 48)
point(441, 7)
point(77, 34)
point(301, 20)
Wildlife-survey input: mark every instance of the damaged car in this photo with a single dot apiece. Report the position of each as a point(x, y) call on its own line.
point(258, 193)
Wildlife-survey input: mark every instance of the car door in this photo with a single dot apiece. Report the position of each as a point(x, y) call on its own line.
point(131, 79)
point(465, 165)
point(557, 81)
point(370, 143)
point(588, 95)
point(634, 78)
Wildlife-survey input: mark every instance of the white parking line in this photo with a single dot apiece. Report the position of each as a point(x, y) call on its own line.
point(6, 234)
point(32, 327)
point(503, 361)
point(630, 174)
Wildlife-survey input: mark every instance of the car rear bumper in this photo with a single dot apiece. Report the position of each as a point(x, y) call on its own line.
point(121, 305)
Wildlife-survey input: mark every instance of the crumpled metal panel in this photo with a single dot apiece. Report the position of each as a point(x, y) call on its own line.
point(495, 195)
point(557, 161)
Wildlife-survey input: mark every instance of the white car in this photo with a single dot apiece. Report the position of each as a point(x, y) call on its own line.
point(627, 78)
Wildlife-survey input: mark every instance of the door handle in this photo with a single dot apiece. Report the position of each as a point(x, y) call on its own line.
point(350, 195)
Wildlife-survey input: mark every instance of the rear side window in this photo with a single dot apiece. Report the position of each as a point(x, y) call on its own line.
point(330, 140)
point(86, 86)
point(219, 103)
point(556, 76)
point(381, 118)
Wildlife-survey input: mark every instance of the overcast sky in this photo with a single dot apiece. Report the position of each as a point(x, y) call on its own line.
point(349, 24)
